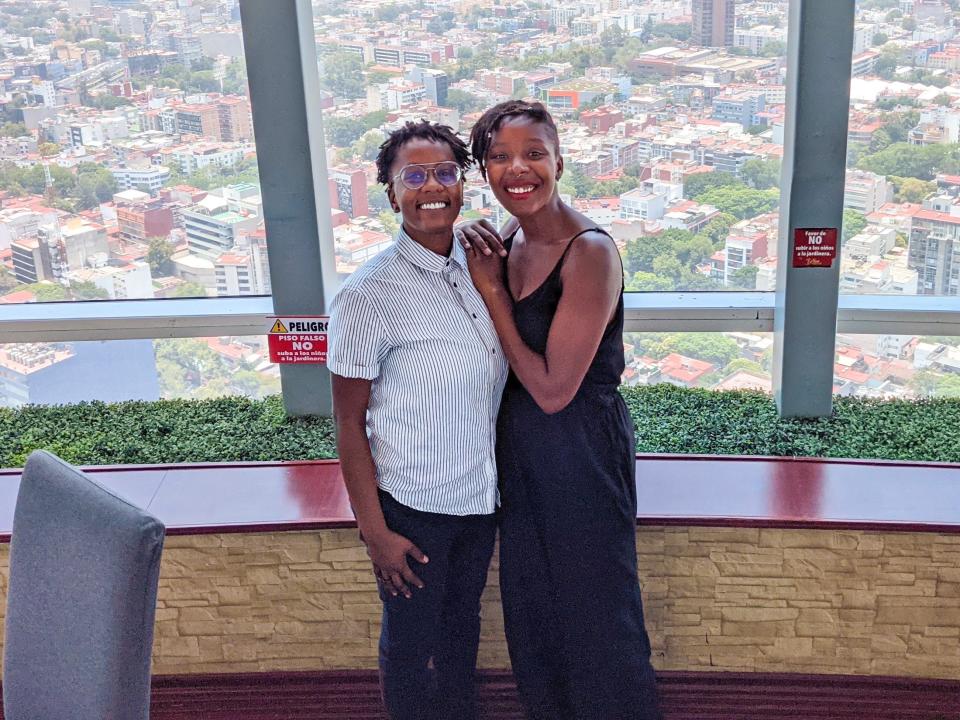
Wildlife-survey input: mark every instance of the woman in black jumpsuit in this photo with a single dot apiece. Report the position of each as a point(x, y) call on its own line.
point(568, 563)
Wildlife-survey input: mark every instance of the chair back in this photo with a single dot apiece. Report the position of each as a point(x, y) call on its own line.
point(84, 566)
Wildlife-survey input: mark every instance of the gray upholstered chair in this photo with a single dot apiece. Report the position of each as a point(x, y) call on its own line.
point(84, 565)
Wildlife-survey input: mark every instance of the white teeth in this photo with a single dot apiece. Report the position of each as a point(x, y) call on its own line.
point(518, 190)
point(433, 206)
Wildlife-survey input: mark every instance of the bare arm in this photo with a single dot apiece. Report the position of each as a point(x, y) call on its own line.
point(592, 281)
point(387, 549)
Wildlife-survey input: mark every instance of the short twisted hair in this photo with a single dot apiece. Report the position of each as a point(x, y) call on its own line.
point(425, 130)
point(481, 137)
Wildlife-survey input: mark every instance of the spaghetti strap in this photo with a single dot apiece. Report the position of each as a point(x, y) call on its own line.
point(582, 232)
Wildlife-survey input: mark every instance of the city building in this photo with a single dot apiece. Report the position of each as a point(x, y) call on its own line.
point(140, 216)
point(865, 191)
point(934, 248)
point(65, 373)
point(713, 23)
point(213, 225)
point(147, 179)
point(348, 191)
point(743, 107)
point(435, 83)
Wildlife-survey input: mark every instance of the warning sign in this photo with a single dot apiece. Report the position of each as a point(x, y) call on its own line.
point(814, 247)
point(298, 339)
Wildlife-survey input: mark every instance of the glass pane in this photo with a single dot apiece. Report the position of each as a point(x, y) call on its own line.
point(118, 370)
point(670, 117)
point(716, 361)
point(127, 156)
point(897, 366)
point(901, 217)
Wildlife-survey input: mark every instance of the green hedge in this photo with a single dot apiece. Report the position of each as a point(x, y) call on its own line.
point(668, 420)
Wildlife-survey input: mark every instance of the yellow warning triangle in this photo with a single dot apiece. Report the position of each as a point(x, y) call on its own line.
point(278, 327)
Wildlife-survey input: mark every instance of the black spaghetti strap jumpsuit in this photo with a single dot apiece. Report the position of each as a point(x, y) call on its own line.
point(568, 560)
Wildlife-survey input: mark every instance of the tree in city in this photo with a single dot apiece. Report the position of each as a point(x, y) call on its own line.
point(911, 189)
point(853, 223)
point(649, 282)
point(744, 278)
point(917, 161)
point(368, 146)
point(717, 349)
point(442, 22)
point(48, 149)
point(159, 253)
point(342, 74)
point(377, 198)
point(389, 220)
point(744, 365)
point(774, 48)
point(717, 230)
point(88, 290)
point(46, 291)
point(673, 31)
point(344, 131)
point(761, 174)
point(740, 201)
point(14, 129)
point(188, 290)
point(890, 57)
point(95, 184)
point(697, 183)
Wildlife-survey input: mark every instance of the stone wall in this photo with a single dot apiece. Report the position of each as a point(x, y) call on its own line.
point(811, 601)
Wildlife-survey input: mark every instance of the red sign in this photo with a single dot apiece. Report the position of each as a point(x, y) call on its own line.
point(298, 339)
point(814, 247)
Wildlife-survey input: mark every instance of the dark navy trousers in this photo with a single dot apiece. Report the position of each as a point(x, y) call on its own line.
point(428, 644)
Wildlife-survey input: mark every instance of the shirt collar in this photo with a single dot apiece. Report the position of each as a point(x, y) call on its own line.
point(417, 254)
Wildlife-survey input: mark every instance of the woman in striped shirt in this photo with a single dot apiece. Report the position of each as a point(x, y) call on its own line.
point(417, 377)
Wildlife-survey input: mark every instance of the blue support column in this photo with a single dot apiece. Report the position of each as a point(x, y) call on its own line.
point(815, 148)
point(284, 89)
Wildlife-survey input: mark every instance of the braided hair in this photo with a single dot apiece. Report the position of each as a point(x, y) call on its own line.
point(481, 136)
point(425, 130)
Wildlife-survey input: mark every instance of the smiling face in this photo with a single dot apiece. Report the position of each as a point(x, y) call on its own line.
point(523, 165)
point(430, 211)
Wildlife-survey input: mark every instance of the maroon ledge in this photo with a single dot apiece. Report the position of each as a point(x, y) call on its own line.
point(690, 490)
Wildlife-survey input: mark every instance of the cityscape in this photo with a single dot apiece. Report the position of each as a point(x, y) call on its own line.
point(128, 167)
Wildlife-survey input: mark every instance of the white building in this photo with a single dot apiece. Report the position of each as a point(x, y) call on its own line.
point(864, 191)
point(149, 179)
point(132, 281)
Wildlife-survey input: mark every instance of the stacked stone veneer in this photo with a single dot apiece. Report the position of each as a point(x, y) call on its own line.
point(816, 601)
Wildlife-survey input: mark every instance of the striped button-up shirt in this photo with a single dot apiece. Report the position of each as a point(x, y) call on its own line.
point(413, 322)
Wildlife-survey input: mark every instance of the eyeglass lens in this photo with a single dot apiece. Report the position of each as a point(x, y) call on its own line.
point(415, 176)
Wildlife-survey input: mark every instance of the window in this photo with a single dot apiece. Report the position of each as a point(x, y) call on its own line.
point(897, 366)
point(127, 156)
point(901, 232)
point(713, 361)
point(117, 370)
point(671, 129)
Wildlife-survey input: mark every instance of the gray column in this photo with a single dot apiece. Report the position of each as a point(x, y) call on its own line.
point(815, 147)
point(284, 88)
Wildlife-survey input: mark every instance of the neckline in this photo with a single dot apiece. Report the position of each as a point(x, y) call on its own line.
point(556, 267)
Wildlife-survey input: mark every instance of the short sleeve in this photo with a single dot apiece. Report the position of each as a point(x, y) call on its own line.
point(356, 339)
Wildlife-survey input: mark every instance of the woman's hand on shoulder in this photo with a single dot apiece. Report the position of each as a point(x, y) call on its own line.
point(479, 236)
point(487, 272)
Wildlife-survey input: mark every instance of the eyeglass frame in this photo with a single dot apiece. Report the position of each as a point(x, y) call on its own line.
point(429, 168)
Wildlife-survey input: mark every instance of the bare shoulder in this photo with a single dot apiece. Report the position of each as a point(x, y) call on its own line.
point(594, 251)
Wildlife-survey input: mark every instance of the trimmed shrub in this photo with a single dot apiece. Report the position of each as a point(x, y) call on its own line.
point(667, 420)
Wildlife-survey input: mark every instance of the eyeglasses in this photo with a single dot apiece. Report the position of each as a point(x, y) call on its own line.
point(414, 177)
